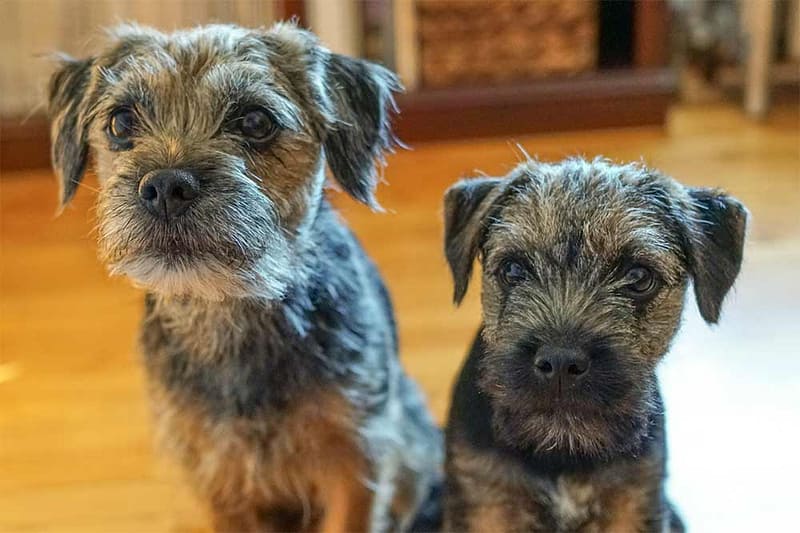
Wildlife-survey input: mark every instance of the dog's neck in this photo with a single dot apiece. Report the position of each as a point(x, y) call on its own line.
point(233, 357)
point(245, 354)
point(183, 316)
point(553, 463)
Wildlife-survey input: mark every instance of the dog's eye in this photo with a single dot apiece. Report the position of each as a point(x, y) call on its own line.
point(258, 125)
point(512, 271)
point(121, 126)
point(640, 281)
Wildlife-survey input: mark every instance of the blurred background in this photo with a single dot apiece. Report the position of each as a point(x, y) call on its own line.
point(707, 91)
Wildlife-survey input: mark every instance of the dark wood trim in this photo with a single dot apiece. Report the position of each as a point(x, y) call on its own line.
point(296, 9)
point(651, 33)
point(24, 143)
point(604, 100)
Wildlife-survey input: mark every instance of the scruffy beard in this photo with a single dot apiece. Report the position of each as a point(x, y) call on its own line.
point(610, 417)
point(205, 277)
point(571, 435)
point(230, 244)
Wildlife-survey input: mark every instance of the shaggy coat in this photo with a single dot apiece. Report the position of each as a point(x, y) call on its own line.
point(590, 259)
point(268, 337)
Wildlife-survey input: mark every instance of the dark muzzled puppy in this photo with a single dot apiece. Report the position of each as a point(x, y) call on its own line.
point(268, 335)
point(556, 422)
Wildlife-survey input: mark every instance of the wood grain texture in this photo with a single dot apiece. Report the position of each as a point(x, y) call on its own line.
point(76, 448)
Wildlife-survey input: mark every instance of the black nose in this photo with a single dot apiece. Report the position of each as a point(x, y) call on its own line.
point(167, 193)
point(568, 364)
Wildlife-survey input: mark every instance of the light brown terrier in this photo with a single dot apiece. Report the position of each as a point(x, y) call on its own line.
point(268, 337)
point(557, 423)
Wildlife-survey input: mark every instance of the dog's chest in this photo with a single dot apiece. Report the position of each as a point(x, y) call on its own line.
point(572, 505)
point(590, 505)
point(242, 365)
point(270, 460)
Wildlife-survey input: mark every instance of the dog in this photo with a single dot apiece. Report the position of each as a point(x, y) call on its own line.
point(268, 336)
point(556, 422)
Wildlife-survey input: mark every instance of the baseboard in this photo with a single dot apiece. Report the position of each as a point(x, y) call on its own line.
point(24, 143)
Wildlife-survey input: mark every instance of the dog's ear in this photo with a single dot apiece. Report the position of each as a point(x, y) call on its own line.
point(68, 130)
point(715, 241)
point(361, 94)
point(350, 100)
point(467, 205)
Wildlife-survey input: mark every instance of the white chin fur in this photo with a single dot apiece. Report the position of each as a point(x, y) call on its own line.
point(208, 279)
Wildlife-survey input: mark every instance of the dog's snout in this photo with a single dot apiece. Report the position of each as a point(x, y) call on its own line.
point(566, 364)
point(168, 193)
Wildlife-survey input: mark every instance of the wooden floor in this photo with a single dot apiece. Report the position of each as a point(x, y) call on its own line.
point(75, 441)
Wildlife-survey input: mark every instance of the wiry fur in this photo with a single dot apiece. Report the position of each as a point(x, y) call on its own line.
point(577, 226)
point(269, 338)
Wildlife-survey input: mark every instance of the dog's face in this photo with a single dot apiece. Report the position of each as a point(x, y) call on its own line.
point(585, 266)
point(210, 147)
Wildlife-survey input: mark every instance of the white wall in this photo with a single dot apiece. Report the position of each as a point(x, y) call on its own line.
point(32, 30)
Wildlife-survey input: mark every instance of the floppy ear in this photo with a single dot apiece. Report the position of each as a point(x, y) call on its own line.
point(466, 209)
point(361, 96)
point(68, 130)
point(716, 241)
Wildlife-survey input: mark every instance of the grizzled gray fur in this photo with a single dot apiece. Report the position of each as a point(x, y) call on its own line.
point(269, 338)
point(556, 422)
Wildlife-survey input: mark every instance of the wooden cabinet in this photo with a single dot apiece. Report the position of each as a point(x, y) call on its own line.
point(482, 68)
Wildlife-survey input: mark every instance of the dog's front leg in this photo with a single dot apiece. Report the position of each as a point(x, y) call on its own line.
point(255, 520)
point(348, 508)
point(230, 522)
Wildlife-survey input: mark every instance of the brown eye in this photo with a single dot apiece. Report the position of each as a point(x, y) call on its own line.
point(512, 272)
point(640, 281)
point(258, 125)
point(121, 126)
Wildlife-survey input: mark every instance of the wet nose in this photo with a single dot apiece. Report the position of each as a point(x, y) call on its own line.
point(568, 364)
point(168, 193)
